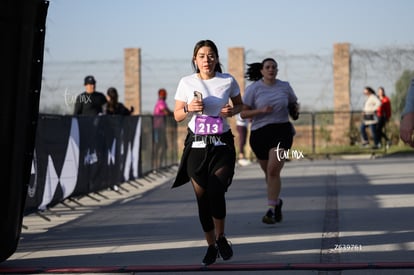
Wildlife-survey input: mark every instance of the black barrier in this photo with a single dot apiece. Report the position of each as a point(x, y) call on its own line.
point(22, 32)
point(78, 155)
point(75, 156)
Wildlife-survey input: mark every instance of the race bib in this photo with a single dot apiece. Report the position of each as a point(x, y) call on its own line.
point(208, 125)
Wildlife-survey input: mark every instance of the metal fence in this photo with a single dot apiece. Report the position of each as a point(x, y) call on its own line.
point(336, 132)
point(158, 145)
point(318, 133)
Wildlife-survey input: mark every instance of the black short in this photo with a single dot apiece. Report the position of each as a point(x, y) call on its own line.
point(223, 156)
point(271, 136)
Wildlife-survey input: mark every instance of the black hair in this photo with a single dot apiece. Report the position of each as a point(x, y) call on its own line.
point(370, 90)
point(112, 104)
point(210, 44)
point(253, 71)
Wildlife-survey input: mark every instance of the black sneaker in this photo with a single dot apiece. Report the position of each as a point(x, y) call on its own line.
point(224, 248)
point(269, 217)
point(278, 211)
point(211, 255)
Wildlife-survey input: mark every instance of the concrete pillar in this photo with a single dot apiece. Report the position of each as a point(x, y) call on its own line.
point(132, 75)
point(342, 92)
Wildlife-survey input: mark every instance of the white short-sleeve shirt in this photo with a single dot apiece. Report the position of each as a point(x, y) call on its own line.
point(216, 94)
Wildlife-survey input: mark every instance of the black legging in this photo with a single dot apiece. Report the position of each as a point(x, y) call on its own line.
point(211, 171)
point(380, 128)
point(211, 201)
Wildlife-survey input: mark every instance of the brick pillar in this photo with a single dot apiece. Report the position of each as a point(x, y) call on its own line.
point(236, 65)
point(132, 75)
point(342, 92)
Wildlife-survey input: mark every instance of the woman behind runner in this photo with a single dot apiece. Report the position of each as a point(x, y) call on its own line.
point(209, 155)
point(113, 106)
point(267, 102)
point(241, 127)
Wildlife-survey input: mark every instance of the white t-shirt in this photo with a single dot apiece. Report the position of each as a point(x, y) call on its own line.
point(216, 93)
point(372, 103)
point(259, 95)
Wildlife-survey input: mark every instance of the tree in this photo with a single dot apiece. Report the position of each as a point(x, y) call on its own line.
point(401, 87)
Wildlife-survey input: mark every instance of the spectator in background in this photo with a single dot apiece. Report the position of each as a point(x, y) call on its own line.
point(383, 114)
point(407, 118)
point(161, 107)
point(241, 125)
point(161, 111)
point(113, 106)
point(90, 102)
point(369, 117)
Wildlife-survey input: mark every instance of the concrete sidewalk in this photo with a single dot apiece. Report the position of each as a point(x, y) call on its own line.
point(341, 216)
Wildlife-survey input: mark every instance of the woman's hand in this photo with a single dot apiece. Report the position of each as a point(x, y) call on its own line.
point(196, 106)
point(247, 112)
point(267, 109)
point(227, 111)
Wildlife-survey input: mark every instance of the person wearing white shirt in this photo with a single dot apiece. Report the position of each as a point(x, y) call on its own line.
point(209, 155)
point(369, 117)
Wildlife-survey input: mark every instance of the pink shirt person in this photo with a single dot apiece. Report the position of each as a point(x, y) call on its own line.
point(160, 109)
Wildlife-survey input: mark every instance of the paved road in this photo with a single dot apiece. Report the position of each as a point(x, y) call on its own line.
point(341, 216)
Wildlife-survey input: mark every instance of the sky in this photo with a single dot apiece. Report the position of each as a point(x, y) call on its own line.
point(82, 30)
point(101, 29)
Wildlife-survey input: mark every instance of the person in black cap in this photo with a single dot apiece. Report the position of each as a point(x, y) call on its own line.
point(89, 102)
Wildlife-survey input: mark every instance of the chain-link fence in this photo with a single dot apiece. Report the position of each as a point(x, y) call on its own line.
point(337, 132)
point(310, 75)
